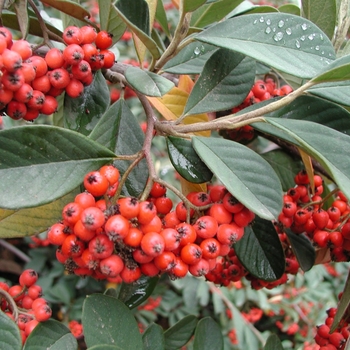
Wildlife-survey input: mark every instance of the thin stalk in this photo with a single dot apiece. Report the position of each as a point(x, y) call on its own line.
point(14, 250)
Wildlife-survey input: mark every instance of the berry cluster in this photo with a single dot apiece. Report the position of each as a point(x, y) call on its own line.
point(132, 237)
point(304, 211)
point(262, 90)
point(335, 340)
point(30, 83)
point(23, 302)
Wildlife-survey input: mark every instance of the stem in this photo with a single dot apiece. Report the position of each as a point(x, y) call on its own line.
point(233, 308)
point(343, 25)
point(15, 250)
point(10, 302)
point(234, 121)
point(180, 33)
point(125, 176)
point(42, 24)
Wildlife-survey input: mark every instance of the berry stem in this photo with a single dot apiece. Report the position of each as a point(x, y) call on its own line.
point(12, 304)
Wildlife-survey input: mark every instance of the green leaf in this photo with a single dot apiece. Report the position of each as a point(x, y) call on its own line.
point(224, 83)
point(134, 294)
point(51, 335)
point(207, 335)
point(260, 251)
point(130, 141)
point(82, 113)
point(119, 130)
point(338, 70)
point(284, 165)
point(316, 110)
point(273, 343)
point(343, 306)
point(161, 18)
point(110, 20)
point(246, 175)
point(337, 92)
point(285, 42)
point(147, 83)
point(10, 20)
point(22, 16)
point(10, 338)
point(186, 161)
point(107, 320)
point(179, 334)
point(212, 12)
point(191, 59)
point(323, 13)
point(290, 8)
point(191, 5)
point(306, 135)
point(303, 249)
point(153, 338)
point(40, 164)
point(27, 222)
point(71, 8)
point(136, 16)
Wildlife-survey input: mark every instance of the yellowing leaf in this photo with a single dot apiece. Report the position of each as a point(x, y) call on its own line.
point(309, 168)
point(176, 3)
point(188, 187)
point(185, 83)
point(172, 105)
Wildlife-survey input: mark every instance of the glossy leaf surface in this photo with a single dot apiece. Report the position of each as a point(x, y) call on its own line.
point(186, 161)
point(260, 251)
point(285, 42)
point(303, 249)
point(246, 175)
point(133, 294)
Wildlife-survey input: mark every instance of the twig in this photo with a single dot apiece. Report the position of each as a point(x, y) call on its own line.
point(15, 250)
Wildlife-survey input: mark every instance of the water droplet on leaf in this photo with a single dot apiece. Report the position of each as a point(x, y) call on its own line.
point(304, 26)
point(268, 30)
point(280, 24)
point(297, 44)
point(317, 48)
point(278, 36)
point(302, 38)
point(261, 20)
point(268, 21)
point(197, 51)
point(311, 36)
point(288, 31)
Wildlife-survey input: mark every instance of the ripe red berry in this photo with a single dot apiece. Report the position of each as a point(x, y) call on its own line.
point(28, 278)
point(112, 265)
point(117, 227)
point(72, 35)
point(152, 244)
point(104, 40)
point(96, 183)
